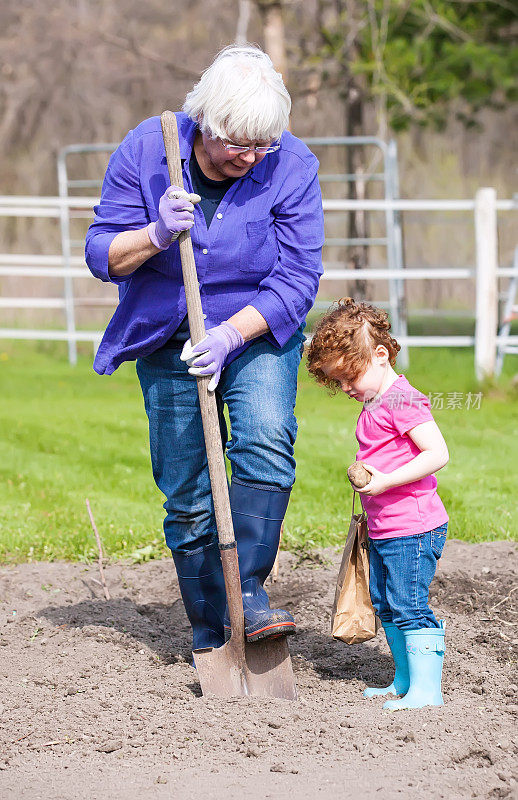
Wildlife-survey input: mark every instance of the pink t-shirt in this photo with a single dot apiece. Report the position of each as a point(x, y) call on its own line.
point(382, 433)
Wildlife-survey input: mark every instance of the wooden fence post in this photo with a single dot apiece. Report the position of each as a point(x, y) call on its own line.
point(486, 241)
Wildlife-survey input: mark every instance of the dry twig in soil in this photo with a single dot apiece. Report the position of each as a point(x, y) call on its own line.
point(99, 547)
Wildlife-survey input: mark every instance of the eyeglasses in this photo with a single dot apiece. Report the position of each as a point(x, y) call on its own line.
point(237, 150)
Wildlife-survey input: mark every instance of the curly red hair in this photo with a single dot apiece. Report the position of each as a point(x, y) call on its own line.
point(348, 336)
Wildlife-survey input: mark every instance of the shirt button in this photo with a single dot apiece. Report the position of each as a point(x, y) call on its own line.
point(205, 251)
point(219, 216)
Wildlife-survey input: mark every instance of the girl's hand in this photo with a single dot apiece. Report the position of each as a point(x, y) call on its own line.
point(378, 484)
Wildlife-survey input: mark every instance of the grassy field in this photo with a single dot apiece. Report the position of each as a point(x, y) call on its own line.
point(67, 434)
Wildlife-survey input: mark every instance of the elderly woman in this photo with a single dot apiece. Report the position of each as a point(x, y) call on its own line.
point(257, 234)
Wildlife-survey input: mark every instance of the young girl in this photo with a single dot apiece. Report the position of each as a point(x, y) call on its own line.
point(402, 447)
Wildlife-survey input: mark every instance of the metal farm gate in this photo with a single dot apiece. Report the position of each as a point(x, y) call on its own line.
point(74, 212)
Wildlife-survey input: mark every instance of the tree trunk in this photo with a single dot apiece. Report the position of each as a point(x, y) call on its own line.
point(242, 22)
point(274, 37)
point(344, 17)
point(358, 255)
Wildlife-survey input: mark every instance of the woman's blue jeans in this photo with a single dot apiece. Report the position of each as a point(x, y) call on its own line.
point(401, 571)
point(259, 390)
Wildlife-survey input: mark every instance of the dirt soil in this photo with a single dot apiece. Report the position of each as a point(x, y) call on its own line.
point(99, 700)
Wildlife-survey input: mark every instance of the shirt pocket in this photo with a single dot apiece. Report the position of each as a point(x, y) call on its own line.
point(259, 250)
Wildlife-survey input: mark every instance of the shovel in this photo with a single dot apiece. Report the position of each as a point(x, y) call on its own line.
point(261, 669)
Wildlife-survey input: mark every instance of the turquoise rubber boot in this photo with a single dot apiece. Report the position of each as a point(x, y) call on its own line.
point(401, 682)
point(425, 651)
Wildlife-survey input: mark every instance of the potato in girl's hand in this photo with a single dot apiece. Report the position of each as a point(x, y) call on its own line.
point(358, 475)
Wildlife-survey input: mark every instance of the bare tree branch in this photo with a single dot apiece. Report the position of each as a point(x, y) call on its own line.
point(132, 47)
point(446, 25)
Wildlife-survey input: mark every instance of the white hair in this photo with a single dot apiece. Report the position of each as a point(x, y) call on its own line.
point(240, 97)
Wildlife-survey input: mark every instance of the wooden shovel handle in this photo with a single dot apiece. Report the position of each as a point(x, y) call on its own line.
point(190, 277)
point(209, 412)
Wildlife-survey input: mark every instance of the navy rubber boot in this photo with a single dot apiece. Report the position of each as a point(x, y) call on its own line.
point(257, 515)
point(200, 576)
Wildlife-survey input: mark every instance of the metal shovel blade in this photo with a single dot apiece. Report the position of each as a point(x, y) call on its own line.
point(239, 669)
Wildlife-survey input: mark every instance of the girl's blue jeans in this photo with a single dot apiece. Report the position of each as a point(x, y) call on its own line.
point(401, 571)
point(259, 390)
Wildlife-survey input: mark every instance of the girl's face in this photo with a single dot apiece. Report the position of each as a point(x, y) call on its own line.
point(367, 385)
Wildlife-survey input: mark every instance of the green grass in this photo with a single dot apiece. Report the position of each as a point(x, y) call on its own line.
point(67, 434)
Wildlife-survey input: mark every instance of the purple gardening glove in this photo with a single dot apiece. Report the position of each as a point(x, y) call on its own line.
point(175, 214)
point(208, 356)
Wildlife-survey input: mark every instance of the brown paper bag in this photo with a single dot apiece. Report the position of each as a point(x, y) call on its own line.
point(353, 619)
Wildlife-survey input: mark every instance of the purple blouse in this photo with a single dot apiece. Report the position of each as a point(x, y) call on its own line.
point(262, 248)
